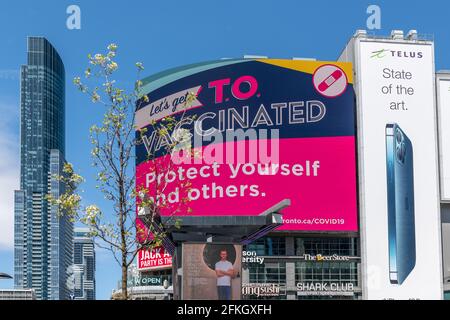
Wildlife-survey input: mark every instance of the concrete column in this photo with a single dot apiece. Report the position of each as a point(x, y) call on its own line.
point(246, 275)
point(291, 288)
point(290, 246)
point(291, 296)
point(290, 277)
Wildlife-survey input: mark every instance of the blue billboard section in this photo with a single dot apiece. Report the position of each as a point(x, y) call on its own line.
point(259, 95)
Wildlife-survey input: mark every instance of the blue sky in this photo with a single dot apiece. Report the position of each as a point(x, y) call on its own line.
point(165, 34)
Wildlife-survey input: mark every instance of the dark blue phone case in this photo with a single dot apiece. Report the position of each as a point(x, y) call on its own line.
point(400, 197)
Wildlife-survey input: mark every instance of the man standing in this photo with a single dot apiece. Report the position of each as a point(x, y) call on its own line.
point(224, 272)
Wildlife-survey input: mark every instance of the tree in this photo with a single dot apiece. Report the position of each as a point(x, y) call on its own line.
point(113, 143)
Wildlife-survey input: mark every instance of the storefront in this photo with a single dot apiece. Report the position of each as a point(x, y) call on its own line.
point(304, 267)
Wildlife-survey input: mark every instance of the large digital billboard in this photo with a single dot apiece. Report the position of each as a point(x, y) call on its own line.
point(400, 215)
point(266, 130)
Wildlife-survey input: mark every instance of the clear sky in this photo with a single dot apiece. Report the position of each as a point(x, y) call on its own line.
point(165, 34)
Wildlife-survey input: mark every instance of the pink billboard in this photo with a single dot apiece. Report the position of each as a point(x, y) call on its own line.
point(154, 259)
point(263, 131)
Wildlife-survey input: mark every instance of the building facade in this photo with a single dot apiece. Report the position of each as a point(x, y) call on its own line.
point(395, 229)
point(84, 265)
point(315, 254)
point(43, 237)
point(146, 285)
point(17, 294)
point(305, 266)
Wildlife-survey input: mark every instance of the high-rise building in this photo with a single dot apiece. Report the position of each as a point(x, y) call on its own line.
point(84, 265)
point(43, 237)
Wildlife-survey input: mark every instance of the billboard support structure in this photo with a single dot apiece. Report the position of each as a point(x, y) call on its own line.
point(201, 228)
point(262, 232)
point(213, 229)
point(244, 229)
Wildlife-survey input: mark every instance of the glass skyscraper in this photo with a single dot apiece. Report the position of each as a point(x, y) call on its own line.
point(43, 237)
point(84, 265)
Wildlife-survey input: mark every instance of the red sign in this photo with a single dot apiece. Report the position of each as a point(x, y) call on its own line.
point(154, 259)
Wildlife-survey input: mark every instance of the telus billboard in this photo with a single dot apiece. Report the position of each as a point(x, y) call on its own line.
point(266, 130)
point(400, 217)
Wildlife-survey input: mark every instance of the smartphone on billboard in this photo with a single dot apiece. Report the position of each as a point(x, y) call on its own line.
point(400, 199)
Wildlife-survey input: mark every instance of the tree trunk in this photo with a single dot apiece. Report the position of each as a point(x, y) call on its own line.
point(124, 278)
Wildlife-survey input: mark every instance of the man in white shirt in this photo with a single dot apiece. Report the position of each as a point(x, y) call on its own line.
point(224, 272)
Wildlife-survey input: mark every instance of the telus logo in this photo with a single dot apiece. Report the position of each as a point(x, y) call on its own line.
point(407, 54)
point(379, 54)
